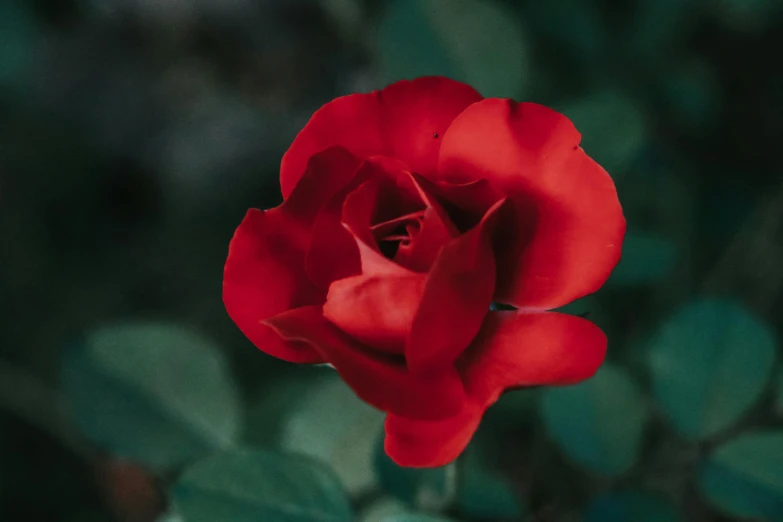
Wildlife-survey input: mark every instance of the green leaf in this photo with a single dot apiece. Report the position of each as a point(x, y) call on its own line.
point(169, 517)
point(613, 128)
point(415, 486)
point(744, 478)
point(415, 517)
point(477, 42)
point(646, 258)
point(330, 423)
point(250, 486)
point(276, 401)
point(631, 506)
point(382, 509)
point(483, 494)
point(17, 38)
point(156, 393)
point(597, 423)
point(710, 362)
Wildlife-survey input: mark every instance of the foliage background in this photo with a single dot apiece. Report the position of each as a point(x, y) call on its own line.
point(134, 134)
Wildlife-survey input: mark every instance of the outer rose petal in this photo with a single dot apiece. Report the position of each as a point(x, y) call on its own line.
point(264, 272)
point(565, 200)
point(351, 121)
point(379, 379)
point(328, 172)
point(263, 276)
point(428, 444)
point(513, 349)
point(527, 349)
point(415, 115)
point(401, 121)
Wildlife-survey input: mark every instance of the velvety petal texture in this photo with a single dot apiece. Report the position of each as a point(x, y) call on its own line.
point(416, 114)
point(334, 253)
point(379, 379)
point(376, 310)
point(428, 444)
point(516, 349)
point(406, 120)
point(407, 212)
point(512, 350)
point(429, 231)
point(261, 280)
point(264, 273)
point(358, 211)
point(571, 225)
point(456, 297)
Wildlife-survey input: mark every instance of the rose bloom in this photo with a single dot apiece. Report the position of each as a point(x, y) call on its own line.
point(407, 212)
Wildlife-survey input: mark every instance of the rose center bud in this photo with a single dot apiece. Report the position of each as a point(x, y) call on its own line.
point(409, 219)
point(418, 226)
point(396, 237)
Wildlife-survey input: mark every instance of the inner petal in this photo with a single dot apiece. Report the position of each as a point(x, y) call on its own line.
point(395, 233)
point(400, 220)
point(396, 204)
point(386, 228)
point(413, 240)
point(432, 229)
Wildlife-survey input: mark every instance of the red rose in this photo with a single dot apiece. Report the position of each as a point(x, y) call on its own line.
point(407, 212)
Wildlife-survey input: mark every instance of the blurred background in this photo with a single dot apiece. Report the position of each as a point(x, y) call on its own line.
point(134, 134)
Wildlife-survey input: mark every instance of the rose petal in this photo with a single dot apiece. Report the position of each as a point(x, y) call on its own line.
point(565, 200)
point(528, 349)
point(467, 202)
point(351, 121)
point(401, 121)
point(327, 174)
point(425, 244)
point(434, 232)
point(456, 297)
point(358, 211)
point(428, 444)
point(263, 276)
point(333, 252)
point(415, 115)
point(264, 271)
point(513, 349)
point(379, 379)
point(377, 311)
point(386, 228)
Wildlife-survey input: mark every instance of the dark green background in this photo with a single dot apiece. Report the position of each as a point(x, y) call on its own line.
point(134, 134)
